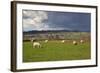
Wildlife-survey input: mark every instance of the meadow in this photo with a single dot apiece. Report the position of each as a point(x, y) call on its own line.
point(54, 50)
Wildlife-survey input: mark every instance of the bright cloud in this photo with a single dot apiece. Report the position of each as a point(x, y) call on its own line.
point(34, 20)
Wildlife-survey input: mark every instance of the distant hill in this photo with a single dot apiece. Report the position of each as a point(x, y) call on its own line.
point(46, 31)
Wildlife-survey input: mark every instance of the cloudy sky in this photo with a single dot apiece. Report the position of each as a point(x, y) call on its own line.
point(50, 20)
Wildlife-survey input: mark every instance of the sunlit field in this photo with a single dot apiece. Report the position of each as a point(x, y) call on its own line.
point(55, 50)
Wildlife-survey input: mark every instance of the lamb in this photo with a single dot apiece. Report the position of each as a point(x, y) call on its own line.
point(81, 41)
point(74, 42)
point(46, 41)
point(63, 41)
point(36, 45)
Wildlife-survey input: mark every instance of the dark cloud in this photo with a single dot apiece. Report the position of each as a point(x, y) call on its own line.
point(71, 20)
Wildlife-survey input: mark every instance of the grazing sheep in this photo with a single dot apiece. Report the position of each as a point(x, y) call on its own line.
point(81, 41)
point(36, 45)
point(46, 41)
point(74, 42)
point(63, 41)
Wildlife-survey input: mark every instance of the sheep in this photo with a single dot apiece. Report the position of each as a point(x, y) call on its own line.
point(81, 41)
point(36, 45)
point(63, 41)
point(46, 41)
point(74, 42)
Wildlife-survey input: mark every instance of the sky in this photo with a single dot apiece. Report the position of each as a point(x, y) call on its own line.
point(51, 20)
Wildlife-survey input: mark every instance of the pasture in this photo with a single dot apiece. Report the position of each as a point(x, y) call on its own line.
point(54, 50)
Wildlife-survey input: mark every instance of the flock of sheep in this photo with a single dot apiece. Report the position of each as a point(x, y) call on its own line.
point(37, 44)
point(74, 42)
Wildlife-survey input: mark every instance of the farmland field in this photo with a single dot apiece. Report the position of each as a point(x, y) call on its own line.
point(54, 50)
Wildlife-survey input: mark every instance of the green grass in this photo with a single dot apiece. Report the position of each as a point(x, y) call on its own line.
point(56, 51)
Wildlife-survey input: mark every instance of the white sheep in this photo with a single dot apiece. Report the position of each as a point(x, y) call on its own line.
point(36, 45)
point(74, 42)
point(46, 41)
point(63, 41)
point(81, 41)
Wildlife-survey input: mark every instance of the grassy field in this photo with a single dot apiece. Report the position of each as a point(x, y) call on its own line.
point(56, 51)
